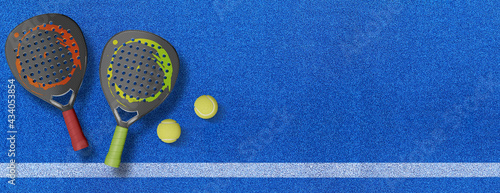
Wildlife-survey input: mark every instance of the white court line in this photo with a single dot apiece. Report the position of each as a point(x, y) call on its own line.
point(255, 170)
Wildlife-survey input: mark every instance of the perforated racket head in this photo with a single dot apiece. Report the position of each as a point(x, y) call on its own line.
point(138, 71)
point(48, 56)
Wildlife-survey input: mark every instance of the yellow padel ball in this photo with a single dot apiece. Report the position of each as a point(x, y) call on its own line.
point(205, 106)
point(168, 131)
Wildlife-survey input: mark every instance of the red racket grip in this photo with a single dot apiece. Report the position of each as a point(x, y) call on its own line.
point(75, 130)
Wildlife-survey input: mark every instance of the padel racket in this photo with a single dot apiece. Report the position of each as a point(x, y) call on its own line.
point(138, 70)
point(48, 56)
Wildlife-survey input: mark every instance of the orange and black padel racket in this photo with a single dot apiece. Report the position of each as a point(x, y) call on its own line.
point(48, 56)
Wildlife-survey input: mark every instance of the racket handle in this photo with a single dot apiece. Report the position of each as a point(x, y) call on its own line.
point(78, 140)
point(114, 156)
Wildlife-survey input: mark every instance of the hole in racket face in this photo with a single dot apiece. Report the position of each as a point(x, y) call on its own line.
point(47, 55)
point(63, 99)
point(125, 115)
point(139, 70)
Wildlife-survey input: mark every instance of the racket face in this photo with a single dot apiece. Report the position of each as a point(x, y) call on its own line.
point(138, 71)
point(47, 54)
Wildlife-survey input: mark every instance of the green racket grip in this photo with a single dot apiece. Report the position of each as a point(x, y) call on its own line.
point(114, 156)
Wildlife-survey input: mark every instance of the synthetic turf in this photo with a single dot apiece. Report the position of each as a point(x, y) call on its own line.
point(296, 81)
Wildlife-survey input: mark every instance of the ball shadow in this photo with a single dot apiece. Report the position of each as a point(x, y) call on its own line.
point(221, 111)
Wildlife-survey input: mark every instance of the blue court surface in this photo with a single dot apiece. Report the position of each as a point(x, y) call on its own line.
point(314, 96)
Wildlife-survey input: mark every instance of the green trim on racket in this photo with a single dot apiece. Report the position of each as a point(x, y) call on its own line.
point(138, 71)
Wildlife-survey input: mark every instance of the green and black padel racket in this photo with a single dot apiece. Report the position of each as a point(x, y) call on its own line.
point(48, 56)
point(138, 70)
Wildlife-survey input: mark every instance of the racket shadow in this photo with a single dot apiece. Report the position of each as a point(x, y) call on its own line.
point(84, 99)
point(123, 171)
point(90, 87)
point(87, 154)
